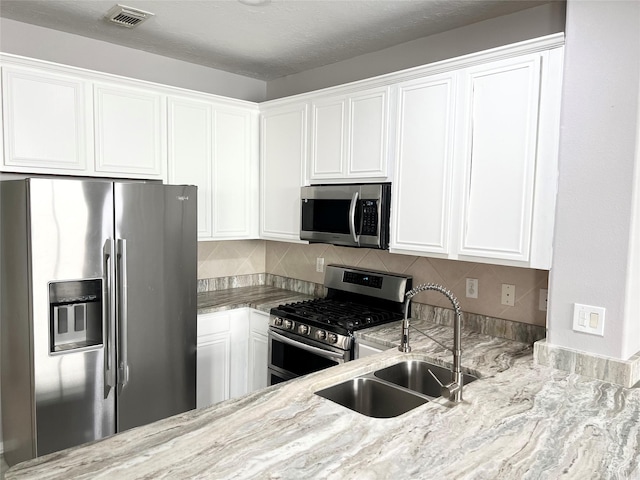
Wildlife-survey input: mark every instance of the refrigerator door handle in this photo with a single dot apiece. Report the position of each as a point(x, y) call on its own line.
point(108, 307)
point(123, 366)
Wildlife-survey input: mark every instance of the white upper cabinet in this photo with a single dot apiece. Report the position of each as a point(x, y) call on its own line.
point(329, 138)
point(190, 141)
point(130, 131)
point(45, 120)
point(476, 164)
point(349, 136)
point(235, 173)
point(214, 146)
point(498, 155)
point(68, 121)
point(424, 166)
point(283, 155)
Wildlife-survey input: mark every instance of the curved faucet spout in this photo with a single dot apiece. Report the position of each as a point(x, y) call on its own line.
point(453, 390)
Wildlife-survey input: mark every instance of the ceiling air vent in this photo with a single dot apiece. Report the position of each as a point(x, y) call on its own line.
point(127, 16)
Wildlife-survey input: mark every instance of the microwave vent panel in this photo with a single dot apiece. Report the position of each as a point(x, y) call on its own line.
point(127, 16)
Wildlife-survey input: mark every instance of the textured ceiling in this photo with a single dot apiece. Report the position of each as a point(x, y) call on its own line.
point(280, 38)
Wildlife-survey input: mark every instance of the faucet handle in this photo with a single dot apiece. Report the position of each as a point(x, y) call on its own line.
point(435, 378)
point(450, 390)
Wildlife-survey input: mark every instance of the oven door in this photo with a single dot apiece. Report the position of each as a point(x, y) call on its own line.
point(291, 356)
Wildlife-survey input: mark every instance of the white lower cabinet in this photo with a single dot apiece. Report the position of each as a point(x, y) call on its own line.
point(232, 354)
point(366, 349)
point(214, 358)
point(258, 349)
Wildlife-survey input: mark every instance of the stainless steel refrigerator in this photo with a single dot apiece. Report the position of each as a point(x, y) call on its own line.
point(97, 309)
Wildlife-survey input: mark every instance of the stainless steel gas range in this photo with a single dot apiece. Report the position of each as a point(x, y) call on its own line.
point(308, 336)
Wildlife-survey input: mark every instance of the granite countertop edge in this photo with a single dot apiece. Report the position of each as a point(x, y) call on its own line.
point(519, 420)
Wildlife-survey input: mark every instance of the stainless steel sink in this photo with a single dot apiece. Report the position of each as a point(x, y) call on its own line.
point(373, 398)
point(414, 375)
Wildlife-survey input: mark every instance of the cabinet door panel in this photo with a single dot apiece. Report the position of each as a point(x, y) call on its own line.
point(44, 119)
point(129, 131)
point(500, 158)
point(213, 371)
point(368, 134)
point(258, 350)
point(328, 140)
point(259, 354)
point(425, 164)
point(283, 154)
point(190, 141)
point(233, 189)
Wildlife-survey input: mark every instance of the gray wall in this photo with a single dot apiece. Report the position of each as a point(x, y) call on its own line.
point(596, 235)
point(523, 25)
point(60, 47)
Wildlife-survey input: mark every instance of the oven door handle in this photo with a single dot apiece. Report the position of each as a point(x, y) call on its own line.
point(304, 346)
point(352, 217)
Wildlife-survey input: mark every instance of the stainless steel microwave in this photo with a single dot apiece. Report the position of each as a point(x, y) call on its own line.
point(352, 215)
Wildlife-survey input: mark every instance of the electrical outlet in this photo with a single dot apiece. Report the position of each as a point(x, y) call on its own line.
point(542, 300)
point(320, 264)
point(472, 288)
point(588, 319)
point(508, 295)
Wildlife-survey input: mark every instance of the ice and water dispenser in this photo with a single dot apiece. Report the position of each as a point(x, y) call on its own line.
point(75, 314)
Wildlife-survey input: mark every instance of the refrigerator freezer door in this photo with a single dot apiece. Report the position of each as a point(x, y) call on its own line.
point(157, 294)
point(71, 221)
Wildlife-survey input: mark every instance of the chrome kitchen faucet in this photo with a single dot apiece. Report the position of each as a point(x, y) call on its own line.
point(452, 390)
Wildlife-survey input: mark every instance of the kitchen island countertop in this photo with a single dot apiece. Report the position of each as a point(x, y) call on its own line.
point(518, 421)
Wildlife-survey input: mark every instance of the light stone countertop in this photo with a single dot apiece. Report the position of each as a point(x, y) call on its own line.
point(519, 421)
point(262, 297)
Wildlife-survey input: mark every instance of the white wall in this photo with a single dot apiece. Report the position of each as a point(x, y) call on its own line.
point(598, 156)
point(60, 47)
point(632, 308)
point(523, 25)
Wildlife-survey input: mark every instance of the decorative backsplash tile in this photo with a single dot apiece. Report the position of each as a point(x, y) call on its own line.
point(495, 327)
point(232, 281)
point(245, 260)
point(612, 370)
point(230, 258)
point(299, 261)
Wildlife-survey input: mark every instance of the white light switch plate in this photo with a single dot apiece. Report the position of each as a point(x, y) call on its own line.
point(320, 264)
point(588, 319)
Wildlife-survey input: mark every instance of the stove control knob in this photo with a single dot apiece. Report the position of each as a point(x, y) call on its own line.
point(303, 329)
point(333, 338)
point(277, 322)
point(288, 324)
point(321, 334)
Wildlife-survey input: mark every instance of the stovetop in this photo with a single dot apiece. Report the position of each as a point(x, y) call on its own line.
point(356, 299)
point(336, 315)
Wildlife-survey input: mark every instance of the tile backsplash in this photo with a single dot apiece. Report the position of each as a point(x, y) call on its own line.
point(229, 258)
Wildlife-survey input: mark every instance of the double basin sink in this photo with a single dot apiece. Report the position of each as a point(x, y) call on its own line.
point(392, 391)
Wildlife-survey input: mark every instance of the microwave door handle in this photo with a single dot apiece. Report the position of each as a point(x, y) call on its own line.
point(352, 217)
point(303, 346)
